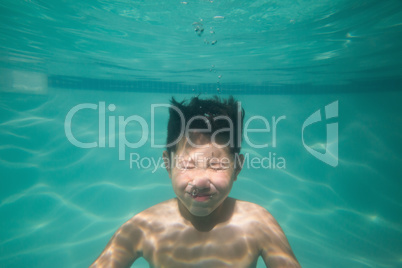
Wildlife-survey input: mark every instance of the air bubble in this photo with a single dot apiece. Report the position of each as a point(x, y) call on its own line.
point(194, 192)
point(198, 28)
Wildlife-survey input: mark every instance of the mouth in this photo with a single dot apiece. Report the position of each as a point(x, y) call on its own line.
point(199, 196)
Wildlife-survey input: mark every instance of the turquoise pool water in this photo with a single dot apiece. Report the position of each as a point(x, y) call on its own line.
point(60, 204)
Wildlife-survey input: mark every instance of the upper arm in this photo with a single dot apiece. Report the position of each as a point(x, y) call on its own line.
point(275, 248)
point(123, 248)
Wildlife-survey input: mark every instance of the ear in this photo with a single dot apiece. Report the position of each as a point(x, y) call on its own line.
point(167, 163)
point(238, 165)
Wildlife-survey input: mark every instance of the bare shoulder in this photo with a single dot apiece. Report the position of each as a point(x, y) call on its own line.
point(129, 241)
point(155, 217)
point(259, 221)
point(159, 212)
point(271, 240)
point(255, 213)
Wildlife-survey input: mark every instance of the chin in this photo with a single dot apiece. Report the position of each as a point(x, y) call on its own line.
point(201, 211)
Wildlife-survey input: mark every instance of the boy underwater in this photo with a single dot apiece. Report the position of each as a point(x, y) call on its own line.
point(202, 226)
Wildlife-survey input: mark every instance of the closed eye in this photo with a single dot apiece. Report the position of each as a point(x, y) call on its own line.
point(185, 165)
point(218, 166)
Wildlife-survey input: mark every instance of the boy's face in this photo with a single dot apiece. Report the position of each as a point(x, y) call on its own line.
point(202, 177)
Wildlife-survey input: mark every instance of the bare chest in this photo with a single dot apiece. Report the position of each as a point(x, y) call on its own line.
point(226, 246)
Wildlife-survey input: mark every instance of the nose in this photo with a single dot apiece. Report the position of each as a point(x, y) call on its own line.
point(201, 183)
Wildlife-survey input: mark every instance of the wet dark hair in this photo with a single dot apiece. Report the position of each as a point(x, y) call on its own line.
point(198, 112)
